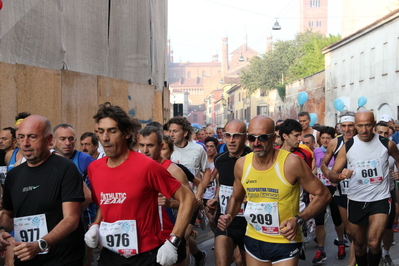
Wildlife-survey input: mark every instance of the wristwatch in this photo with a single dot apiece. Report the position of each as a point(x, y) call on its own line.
point(174, 240)
point(299, 220)
point(42, 244)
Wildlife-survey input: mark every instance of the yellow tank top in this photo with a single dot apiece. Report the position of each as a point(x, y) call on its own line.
point(271, 199)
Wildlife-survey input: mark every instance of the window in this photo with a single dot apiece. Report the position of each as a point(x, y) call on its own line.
point(384, 59)
point(195, 118)
point(351, 70)
point(203, 74)
point(361, 67)
point(310, 23)
point(372, 62)
point(318, 23)
point(397, 56)
point(343, 74)
point(314, 3)
point(188, 74)
point(261, 110)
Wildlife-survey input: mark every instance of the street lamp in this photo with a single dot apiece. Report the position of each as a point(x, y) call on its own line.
point(276, 26)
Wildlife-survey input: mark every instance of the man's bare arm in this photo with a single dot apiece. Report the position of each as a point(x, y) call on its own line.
point(296, 170)
point(71, 217)
point(334, 175)
point(186, 209)
point(6, 220)
point(327, 157)
point(236, 199)
point(310, 183)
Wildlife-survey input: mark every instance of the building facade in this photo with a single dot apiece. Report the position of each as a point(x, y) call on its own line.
point(200, 79)
point(313, 15)
point(365, 63)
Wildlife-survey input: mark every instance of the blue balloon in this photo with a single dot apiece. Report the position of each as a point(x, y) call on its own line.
point(303, 97)
point(361, 101)
point(339, 105)
point(313, 119)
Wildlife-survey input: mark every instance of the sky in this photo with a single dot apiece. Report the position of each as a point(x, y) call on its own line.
point(196, 27)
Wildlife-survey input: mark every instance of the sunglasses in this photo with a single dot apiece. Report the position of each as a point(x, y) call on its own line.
point(234, 135)
point(261, 138)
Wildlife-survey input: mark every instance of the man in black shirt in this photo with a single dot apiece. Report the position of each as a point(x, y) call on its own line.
point(227, 241)
point(42, 202)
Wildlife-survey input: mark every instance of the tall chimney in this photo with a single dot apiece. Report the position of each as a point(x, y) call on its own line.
point(225, 56)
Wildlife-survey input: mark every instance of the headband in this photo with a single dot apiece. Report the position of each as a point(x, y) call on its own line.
point(347, 118)
point(19, 121)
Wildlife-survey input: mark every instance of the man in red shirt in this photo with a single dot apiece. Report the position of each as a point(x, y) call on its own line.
point(125, 185)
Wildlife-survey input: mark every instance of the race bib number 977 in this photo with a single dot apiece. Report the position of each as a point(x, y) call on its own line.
point(30, 228)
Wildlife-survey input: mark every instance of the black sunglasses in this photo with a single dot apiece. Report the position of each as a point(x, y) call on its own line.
point(261, 138)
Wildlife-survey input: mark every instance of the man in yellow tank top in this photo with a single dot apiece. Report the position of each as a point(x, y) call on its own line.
point(270, 180)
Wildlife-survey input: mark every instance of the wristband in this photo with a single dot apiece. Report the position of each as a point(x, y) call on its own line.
point(89, 225)
point(2, 227)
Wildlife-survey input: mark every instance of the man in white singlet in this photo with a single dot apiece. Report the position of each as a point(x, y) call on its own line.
point(366, 156)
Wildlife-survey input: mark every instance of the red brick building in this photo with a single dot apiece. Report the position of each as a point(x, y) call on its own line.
point(199, 79)
point(314, 15)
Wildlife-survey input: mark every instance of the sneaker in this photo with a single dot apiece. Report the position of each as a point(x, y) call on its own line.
point(388, 261)
point(194, 234)
point(346, 241)
point(341, 252)
point(395, 227)
point(203, 220)
point(319, 257)
point(202, 261)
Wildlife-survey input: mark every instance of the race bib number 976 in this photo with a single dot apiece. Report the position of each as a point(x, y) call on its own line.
point(120, 237)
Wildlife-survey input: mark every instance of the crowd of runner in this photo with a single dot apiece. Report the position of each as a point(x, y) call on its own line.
point(134, 194)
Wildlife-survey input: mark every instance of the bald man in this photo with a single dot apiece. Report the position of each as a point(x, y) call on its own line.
point(42, 202)
point(270, 180)
point(366, 156)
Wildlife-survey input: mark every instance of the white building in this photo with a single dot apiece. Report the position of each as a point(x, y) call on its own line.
point(365, 63)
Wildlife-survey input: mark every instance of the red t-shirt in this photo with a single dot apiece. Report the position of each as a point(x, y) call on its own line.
point(304, 154)
point(130, 192)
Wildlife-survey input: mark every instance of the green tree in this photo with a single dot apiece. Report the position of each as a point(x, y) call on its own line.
point(288, 61)
point(312, 60)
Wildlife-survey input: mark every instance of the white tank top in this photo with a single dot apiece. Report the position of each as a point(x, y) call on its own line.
point(369, 161)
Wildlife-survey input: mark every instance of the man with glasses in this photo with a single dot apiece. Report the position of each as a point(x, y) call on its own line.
point(369, 200)
point(227, 242)
point(270, 179)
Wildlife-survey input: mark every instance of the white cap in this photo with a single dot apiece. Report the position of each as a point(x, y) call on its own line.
point(385, 118)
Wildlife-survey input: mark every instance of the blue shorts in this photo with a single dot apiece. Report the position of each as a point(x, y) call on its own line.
point(271, 252)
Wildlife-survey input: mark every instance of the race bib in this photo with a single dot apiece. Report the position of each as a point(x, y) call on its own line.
point(263, 217)
point(3, 174)
point(211, 187)
point(323, 178)
point(344, 184)
point(370, 172)
point(30, 228)
point(120, 237)
point(224, 196)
